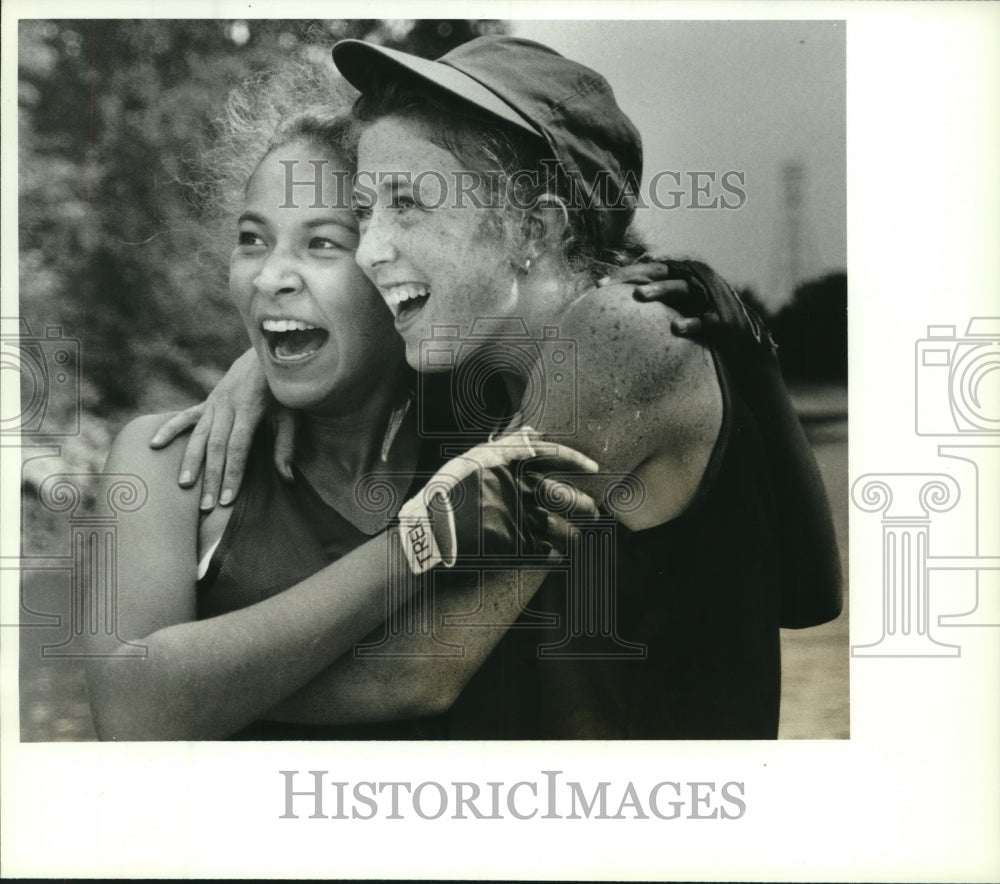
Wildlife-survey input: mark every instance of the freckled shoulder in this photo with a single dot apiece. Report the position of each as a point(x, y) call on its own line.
point(628, 347)
point(648, 402)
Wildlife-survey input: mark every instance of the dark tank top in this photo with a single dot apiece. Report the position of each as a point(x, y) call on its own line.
point(278, 535)
point(676, 636)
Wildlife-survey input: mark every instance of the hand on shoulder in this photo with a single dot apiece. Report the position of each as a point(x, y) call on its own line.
point(131, 447)
point(155, 469)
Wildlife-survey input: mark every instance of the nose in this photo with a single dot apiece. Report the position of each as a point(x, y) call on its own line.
point(278, 275)
point(376, 244)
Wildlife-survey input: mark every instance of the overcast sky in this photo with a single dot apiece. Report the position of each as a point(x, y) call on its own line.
point(730, 96)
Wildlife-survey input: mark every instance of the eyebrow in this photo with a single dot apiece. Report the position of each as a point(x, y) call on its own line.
point(322, 222)
point(255, 218)
point(251, 216)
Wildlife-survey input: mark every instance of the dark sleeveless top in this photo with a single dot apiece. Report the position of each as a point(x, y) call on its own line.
point(278, 535)
point(691, 650)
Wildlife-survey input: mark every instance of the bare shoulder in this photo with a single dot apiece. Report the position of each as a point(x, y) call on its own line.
point(627, 351)
point(630, 345)
point(648, 402)
point(157, 537)
point(155, 470)
point(131, 445)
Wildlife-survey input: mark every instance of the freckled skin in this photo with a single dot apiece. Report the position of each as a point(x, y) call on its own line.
point(649, 402)
point(646, 402)
point(450, 248)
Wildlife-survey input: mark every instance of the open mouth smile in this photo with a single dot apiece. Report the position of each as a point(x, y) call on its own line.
point(292, 340)
point(406, 300)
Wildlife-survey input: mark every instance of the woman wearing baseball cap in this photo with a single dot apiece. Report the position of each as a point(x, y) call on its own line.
point(495, 186)
point(689, 595)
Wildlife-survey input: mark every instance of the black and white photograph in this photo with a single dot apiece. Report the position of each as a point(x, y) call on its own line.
point(417, 427)
point(710, 527)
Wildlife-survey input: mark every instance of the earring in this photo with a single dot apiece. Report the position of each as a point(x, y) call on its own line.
point(526, 266)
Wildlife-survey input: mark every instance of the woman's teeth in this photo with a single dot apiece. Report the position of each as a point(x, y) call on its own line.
point(290, 340)
point(404, 298)
point(284, 325)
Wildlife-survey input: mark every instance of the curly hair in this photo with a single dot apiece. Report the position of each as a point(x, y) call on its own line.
point(503, 154)
point(298, 101)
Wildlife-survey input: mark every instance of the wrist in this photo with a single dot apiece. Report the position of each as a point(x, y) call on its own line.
point(427, 533)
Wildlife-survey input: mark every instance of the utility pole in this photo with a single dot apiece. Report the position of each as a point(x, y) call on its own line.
point(787, 269)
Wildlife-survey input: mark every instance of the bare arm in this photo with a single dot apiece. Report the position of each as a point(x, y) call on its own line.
point(207, 679)
point(421, 665)
point(416, 675)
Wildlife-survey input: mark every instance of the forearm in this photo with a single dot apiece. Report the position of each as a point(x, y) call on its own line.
point(416, 674)
point(207, 679)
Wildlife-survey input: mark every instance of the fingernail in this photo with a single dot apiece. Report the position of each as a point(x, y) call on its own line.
point(592, 465)
point(207, 502)
point(185, 478)
point(227, 495)
point(604, 280)
point(156, 440)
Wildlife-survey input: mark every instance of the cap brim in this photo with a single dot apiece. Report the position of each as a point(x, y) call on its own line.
point(364, 64)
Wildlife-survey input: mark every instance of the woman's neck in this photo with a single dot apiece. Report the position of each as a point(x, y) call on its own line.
point(546, 293)
point(345, 445)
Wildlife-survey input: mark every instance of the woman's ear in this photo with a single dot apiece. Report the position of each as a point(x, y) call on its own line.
point(546, 225)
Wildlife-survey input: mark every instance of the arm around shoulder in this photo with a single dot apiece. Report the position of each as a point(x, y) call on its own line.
point(205, 679)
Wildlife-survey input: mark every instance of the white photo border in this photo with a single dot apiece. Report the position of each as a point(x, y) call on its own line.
point(910, 796)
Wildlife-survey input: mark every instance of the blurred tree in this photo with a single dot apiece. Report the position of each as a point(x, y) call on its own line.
point(112, 116)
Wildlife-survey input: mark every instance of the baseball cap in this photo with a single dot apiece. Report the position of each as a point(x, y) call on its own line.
point(534, 88)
